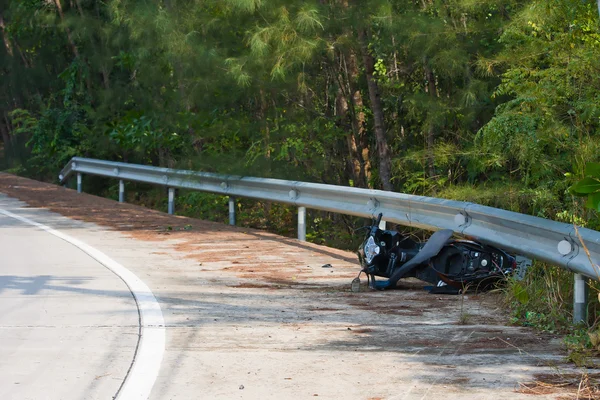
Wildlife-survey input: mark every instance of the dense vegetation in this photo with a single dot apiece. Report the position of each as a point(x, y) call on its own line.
point(492, 101)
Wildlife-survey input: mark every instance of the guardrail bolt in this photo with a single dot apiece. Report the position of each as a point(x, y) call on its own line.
point(564, 247)
point(580, 296)
point(372, 204)
point(171, 207)
point(79, 183)
point(302, 224)
point(121, 191)
point(461, 219)
point(231, 210)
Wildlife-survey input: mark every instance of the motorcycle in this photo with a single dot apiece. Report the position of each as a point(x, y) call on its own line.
point(451, 265)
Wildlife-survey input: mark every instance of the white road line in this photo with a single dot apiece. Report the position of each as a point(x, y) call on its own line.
point(151, 346)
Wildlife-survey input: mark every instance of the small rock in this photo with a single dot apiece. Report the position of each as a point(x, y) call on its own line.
point(241, 387)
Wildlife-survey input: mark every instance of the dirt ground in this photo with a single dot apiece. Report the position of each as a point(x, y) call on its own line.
point(252, 261)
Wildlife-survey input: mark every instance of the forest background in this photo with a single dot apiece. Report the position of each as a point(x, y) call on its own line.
point(491, 101)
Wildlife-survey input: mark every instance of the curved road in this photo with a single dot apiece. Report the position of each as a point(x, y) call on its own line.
point(247, 315)
point(68, 326)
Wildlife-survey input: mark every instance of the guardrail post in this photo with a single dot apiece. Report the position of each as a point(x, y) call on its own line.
point(580, 296)
point(302, 224)
point(121, 191)
point(79, 182)
point(231, 210)
point(171, 207)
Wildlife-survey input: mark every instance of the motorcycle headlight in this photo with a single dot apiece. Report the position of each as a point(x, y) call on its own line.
point(371, 249)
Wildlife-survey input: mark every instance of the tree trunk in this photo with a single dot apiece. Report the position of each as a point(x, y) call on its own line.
point(360, 142)
point(265, 123)
point(5, 129)
point(78, 4)
point(178, 69)
point(7, 43)
point(359, 121)
point(69, 36)
point(429, 75)
point(341, 110)
point(5, 139)
point(9, 49)
point(105, 77)
point(378, 119)
point(262, 113)
point(26, 63)
point(347, 100)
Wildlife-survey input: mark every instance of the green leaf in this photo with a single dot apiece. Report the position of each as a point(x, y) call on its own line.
point(585, 186)
point(520, 293)
point(593, 201)
point(592, 169)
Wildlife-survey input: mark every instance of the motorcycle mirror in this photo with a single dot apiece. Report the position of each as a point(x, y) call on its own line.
point(378, 219)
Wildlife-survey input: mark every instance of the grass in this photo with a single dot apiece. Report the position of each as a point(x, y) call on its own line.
point(464, 317)
point(543, 301)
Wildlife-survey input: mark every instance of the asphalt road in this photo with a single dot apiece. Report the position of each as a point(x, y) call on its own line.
point(68, 325)
point(246, 315)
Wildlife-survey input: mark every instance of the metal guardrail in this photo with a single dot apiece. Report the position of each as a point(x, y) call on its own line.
point(554, 242)
point(542, 239)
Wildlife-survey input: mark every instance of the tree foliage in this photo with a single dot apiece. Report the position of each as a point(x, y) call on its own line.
point(453, 98)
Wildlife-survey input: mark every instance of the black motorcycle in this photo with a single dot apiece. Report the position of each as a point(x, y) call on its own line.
point(451, 265)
